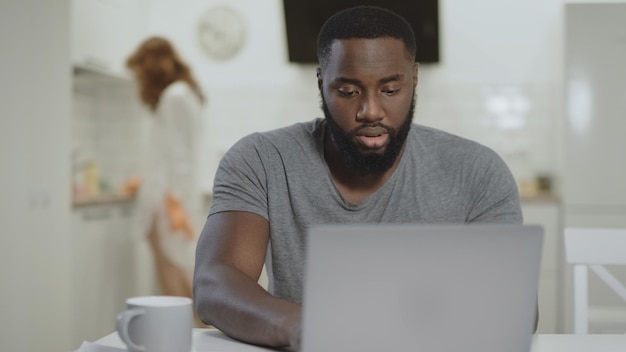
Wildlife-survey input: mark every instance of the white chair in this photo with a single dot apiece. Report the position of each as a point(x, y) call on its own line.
point(593, 248)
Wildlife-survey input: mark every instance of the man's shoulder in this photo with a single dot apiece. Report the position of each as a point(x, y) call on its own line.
point(308, 130)
point(285, 138)
point(430, 136)
point(439, 144)
point(311, 127)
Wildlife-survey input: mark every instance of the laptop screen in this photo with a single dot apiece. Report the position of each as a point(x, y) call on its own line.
point(421, 287)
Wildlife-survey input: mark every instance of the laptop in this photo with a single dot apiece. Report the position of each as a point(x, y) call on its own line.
point(431, 288)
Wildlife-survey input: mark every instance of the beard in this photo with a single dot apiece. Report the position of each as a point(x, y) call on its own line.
point(368, 163)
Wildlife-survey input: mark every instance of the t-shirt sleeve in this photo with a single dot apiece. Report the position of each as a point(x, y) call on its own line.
point(241, 179)
point(495, 194)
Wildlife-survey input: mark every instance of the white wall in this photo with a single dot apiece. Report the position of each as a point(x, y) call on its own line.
point(35, 249)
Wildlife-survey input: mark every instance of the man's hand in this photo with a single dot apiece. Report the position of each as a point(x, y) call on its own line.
point(295, 334)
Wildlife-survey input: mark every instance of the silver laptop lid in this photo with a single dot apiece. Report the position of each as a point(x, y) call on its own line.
point(434, 288)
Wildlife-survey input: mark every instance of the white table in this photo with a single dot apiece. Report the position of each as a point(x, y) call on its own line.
point(212, 340)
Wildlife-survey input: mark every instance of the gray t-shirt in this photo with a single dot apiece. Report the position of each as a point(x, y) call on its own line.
point(282, 176)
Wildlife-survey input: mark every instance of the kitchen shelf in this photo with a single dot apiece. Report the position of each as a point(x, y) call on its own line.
point(102, 199)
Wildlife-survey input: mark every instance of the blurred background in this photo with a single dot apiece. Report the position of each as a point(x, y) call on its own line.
point(72, 133)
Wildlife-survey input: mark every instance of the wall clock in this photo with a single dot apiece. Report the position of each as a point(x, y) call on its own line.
point(222, 32)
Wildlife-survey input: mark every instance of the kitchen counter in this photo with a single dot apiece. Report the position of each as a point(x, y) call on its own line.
point(542, 197)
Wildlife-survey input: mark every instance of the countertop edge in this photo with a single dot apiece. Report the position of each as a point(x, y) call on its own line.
point(103, 199)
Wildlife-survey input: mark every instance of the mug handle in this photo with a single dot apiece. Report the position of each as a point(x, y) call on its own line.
point(123, 320)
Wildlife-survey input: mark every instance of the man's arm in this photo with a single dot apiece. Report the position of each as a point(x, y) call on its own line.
point(229, 259)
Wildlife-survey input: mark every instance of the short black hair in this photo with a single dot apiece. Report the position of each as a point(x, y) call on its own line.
point(364, 22)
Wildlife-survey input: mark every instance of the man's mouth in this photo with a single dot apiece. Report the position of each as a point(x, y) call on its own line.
point(372, 137)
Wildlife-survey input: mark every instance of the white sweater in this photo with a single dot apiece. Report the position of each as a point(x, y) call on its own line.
point(172, 166)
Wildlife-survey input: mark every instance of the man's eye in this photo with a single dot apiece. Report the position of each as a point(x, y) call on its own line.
point(348, 92)
point(390, 91)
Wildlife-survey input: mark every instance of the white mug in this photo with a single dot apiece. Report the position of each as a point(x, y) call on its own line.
point(156, 324)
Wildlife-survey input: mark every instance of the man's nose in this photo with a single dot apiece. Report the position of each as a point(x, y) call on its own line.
point(370, 109)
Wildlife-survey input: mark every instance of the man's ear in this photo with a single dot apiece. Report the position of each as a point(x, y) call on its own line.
point(318, 72)
point(415, 69)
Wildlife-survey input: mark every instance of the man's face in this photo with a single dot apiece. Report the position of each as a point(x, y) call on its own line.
point(368, 98)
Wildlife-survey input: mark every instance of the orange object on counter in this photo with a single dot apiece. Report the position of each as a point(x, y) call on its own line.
point(131, 186)
point(177, 216)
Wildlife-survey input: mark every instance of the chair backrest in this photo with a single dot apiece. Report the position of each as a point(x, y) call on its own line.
point(593, 248)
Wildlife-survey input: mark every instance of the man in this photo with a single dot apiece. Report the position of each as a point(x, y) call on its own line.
point(366, 162)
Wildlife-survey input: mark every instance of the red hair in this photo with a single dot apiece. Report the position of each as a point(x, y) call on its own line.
point(156, 65)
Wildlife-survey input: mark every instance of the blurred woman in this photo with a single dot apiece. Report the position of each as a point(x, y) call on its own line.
point(170, 200)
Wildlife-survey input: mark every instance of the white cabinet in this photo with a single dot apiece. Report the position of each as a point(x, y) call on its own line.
point(35, 293)
point(105, 32)
point(104, 267)
point(548, 215)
